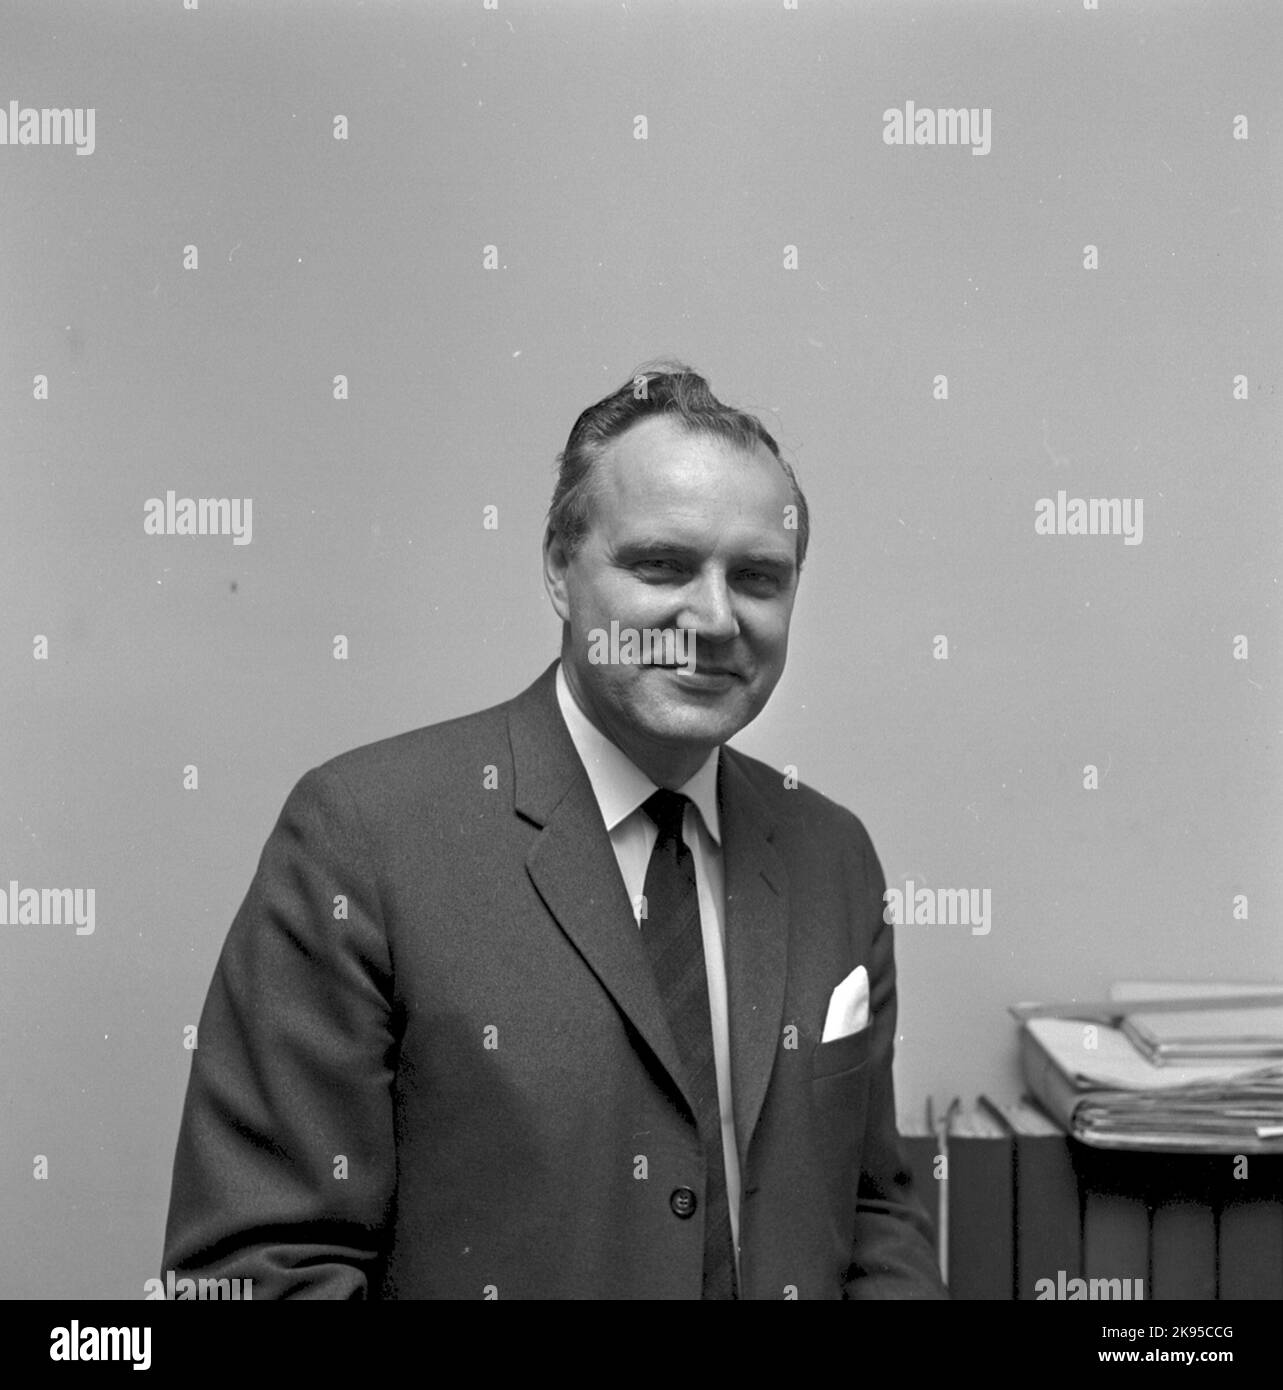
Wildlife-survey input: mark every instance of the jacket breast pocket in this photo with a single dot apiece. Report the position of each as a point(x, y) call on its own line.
point(839, 1105)
point(842, 1054)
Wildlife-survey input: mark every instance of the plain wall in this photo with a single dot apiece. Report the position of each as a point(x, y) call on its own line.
point(364, 257)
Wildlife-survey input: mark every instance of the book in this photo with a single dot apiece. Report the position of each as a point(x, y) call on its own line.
point(1047, 1217)
point(1207, 1035)
point(1250, 1228)
point(980, 1206)
point(1116, 1220)
point(1182, 1233)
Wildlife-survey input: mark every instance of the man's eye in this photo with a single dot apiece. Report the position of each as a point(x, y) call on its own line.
point(666, 566)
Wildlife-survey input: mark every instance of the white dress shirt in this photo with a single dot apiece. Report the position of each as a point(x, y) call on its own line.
point(621, 787)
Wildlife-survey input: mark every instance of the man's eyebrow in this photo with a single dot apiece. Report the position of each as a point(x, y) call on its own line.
point(769, 559)
point(641, 546)
point(637, 546)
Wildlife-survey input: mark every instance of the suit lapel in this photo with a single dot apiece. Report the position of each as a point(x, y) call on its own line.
point(756, 943)
point(573, 866)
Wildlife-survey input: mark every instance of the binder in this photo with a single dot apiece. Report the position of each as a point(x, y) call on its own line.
point(1047, 1218)
point(981, 1206)
point(1115, 1186)
point(1250, 1228)
point(1182, 1236)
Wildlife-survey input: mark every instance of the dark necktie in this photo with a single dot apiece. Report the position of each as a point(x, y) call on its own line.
point(675, 946)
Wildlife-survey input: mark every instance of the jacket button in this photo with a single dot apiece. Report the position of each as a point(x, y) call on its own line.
point(682, 1202)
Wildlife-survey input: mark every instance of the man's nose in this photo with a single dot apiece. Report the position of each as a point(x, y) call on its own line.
point(709, 609)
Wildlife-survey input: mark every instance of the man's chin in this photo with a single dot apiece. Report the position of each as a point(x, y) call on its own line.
point(696, 725)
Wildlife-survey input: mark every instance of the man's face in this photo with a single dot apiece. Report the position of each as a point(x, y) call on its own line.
point(687, 531)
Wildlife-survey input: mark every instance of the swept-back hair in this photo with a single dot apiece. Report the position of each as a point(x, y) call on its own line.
point(666, 388)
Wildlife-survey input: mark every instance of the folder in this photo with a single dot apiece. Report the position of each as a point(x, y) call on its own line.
point(1047, 1220)
point(1250, 1228)
point(1115, 1187)
point(1092, 1080)
point(1207, 1035)
point(1182, 1235)
point(980, 1206)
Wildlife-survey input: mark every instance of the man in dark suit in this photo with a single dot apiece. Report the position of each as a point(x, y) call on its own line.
point(567, 999)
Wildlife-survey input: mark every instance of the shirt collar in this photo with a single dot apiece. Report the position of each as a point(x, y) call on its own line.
point(619, 785)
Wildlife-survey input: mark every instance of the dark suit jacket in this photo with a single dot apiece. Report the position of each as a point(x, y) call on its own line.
point(433, 1062)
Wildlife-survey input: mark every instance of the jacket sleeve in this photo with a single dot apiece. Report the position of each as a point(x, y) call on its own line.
point(285, 1166)
point(891, 1256)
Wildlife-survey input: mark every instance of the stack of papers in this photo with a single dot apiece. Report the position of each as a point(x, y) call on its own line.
point(1092, 1078)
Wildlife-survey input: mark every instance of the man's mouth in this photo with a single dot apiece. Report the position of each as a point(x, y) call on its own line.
point(699, 670)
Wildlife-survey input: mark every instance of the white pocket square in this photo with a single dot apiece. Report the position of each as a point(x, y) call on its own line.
point(848, 1006)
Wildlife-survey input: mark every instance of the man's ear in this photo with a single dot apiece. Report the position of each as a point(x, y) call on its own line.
point(555, 564)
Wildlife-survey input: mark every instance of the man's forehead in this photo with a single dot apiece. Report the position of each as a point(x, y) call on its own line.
point(658, 462)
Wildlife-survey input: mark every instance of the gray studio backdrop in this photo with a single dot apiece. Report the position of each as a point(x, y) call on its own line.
point(756, 223)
